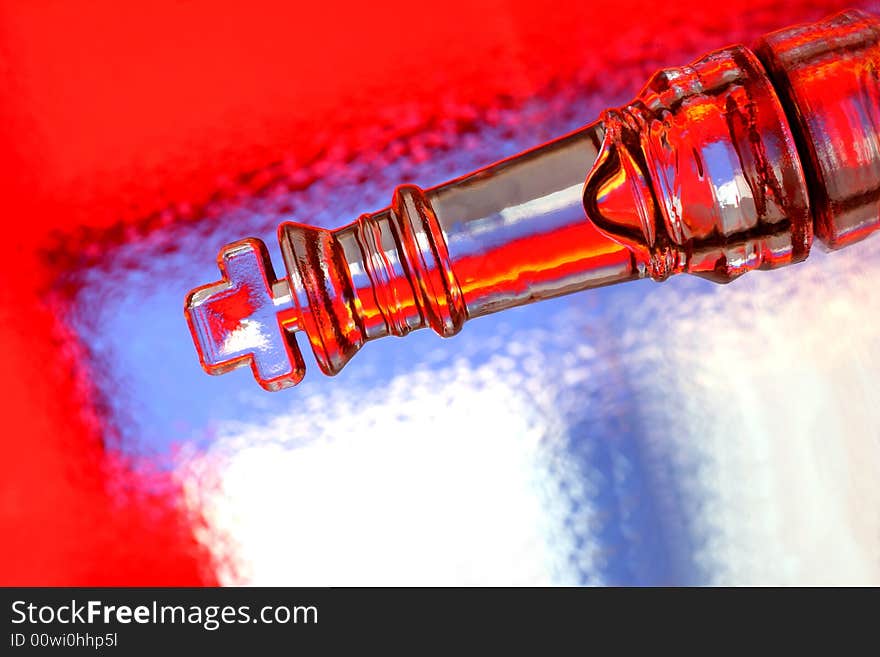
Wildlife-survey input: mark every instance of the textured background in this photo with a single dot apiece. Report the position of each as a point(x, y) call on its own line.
point(682, 433)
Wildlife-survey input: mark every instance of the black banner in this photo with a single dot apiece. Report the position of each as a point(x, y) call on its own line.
point(126, 621)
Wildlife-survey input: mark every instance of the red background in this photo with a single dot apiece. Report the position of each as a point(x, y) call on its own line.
point(113, 112)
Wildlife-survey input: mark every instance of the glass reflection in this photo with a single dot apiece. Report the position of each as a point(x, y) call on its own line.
point(680, 433)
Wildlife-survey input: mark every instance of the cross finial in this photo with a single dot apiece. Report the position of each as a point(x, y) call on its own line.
point(247, 318)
